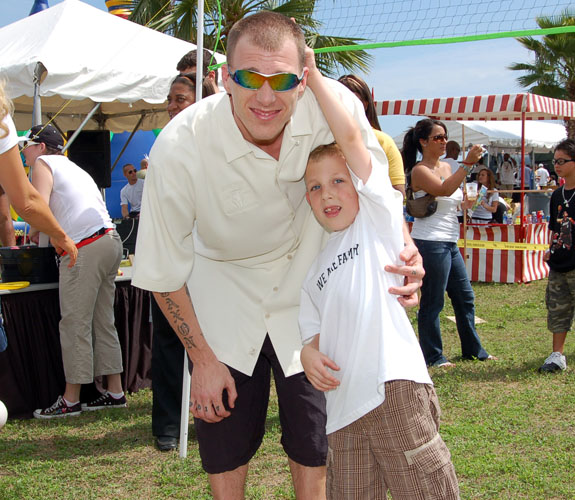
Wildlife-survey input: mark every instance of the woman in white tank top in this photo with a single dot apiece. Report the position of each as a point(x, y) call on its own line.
point(436, 238)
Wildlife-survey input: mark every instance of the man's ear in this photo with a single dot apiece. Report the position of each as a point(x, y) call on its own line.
point(303, 83)
point(226, 79)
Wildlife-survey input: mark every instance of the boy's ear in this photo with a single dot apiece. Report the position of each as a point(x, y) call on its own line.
point(307, 198)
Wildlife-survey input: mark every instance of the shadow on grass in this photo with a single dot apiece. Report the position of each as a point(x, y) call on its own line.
point(87, 435)
point(489, 371)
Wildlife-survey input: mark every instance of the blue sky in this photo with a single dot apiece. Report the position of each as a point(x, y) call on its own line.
point(472, 68)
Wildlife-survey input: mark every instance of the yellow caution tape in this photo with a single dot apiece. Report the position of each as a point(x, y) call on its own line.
point(502, 245)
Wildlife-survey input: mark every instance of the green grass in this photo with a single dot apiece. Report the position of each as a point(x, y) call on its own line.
point(511, 431)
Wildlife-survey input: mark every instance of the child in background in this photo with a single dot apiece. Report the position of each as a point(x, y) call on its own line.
point(560, 294)
point(483, 213)
point(382, 409)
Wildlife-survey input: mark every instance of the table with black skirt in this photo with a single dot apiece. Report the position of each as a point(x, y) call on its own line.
point(31, 371)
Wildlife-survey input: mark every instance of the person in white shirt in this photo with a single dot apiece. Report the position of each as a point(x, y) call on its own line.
point(131, 193)
point(487, 206)
point(507, 171)
point(452, 150)
point(541, 175)
point(88, 336)
point(225, 241)
point(354, 328)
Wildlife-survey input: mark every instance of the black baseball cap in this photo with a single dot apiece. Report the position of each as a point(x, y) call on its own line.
point(46, 134)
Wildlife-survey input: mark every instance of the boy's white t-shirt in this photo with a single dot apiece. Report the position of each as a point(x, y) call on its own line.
point(345, 298)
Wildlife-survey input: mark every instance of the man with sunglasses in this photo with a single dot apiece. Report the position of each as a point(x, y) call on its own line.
point(226, 239)
point(131, 193)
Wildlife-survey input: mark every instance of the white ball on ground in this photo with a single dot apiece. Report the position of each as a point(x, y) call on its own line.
point(3, 414)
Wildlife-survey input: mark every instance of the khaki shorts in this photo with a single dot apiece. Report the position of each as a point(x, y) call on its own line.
point(560, 301)
point(394, 447)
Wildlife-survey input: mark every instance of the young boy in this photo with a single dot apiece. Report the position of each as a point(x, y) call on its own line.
point(382, 410)
point(561, 257)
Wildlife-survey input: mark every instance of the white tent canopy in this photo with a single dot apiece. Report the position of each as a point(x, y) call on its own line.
point(540, 136)
point(89, 57)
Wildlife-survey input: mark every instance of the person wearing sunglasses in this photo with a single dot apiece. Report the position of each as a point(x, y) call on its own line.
point(560, 294)
point(131, 193)
point(436, 238)
point(225, 241)
point(88, 336)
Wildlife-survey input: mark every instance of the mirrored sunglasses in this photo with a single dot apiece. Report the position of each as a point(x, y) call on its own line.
point(440, 137)
point(252, 80)
point(560, 161)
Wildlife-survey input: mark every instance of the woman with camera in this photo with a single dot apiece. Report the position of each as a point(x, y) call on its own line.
point(436, 238)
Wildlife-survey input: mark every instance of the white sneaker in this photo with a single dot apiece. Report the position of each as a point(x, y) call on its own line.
point(555, 362)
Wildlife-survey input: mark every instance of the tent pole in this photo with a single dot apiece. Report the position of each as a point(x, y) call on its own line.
point(128, 141)
point(522, 170)
point(80, 128)
point(186, 379)
point(464, 212)
point(37, 106)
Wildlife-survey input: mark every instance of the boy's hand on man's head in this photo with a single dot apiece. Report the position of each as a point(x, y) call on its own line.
point(313, 72)
point(314, 364)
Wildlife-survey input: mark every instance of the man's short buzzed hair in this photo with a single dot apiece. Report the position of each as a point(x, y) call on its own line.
point(268, 31)
point(127, 165)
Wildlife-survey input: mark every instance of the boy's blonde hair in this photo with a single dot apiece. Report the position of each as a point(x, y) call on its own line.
point(325, 150)
point(5, 109)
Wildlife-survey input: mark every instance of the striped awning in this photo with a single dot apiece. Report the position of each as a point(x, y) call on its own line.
point(486, 107)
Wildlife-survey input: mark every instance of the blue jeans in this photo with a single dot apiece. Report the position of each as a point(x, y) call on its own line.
point(445, 271)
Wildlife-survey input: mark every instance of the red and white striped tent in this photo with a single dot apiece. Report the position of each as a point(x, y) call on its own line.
point(492, 107)
point(485, 107)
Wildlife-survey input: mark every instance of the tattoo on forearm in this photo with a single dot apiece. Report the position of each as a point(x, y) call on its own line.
point(174, 315)
point(189, 342)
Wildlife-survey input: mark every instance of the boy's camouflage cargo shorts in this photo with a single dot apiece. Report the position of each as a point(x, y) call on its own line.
point(560, 301)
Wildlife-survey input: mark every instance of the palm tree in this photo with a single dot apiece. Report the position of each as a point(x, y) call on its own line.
point(553, 72)
point(178, 18)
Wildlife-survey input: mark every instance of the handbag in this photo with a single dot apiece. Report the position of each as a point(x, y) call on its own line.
point(419, 207)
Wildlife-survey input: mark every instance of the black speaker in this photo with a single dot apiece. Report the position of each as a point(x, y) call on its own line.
point(91, 151)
